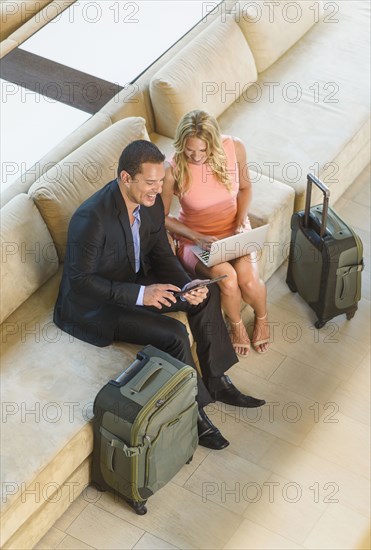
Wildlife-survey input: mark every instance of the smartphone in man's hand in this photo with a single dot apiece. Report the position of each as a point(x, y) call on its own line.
point(200, 284)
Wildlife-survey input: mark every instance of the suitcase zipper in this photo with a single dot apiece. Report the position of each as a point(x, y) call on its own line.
point(178, 379)
point(168, 396)
point(360, 261)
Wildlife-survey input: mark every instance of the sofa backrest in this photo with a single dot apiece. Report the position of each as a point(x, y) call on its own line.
point(209, 71)
point(59, 192)
point(28, 255)
point(273, 26)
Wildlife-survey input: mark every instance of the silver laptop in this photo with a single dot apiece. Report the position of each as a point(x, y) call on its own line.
point(232, 247)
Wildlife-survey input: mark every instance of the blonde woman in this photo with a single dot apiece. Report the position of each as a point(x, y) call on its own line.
point(208, 173)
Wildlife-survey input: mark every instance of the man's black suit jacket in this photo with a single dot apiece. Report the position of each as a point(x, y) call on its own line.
point(99, 280)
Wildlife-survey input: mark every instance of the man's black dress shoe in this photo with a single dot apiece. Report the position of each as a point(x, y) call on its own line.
point(229, 394)
point(208, 435)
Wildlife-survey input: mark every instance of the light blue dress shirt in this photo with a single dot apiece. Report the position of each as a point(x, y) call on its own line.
point(135, 226)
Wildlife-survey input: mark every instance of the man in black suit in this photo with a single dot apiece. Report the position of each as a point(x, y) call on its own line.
point(120, 275)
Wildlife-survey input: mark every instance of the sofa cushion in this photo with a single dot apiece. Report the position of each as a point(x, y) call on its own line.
point(272, 27)
point(28, 254)
point(211, 70)
point(60, 191)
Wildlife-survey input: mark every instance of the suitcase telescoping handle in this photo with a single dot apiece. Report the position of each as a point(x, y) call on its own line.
point(133, 369)
point(129, 373)
point(326, 195)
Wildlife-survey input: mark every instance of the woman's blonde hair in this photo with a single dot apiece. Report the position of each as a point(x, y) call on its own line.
point(203, 126)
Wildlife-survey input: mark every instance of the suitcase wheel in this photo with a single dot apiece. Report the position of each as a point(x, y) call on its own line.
point(98, 487)
point(291, 287)
point(138, 507)
point(189, 460)
point(351, 314)
point(319, 324)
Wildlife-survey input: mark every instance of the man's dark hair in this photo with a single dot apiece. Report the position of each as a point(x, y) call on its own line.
point(135, 154)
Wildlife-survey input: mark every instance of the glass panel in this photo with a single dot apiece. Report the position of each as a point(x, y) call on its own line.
point(31, 125)
point(115, 41)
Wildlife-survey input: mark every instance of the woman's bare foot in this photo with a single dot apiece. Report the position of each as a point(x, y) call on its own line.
point(260, 337)
point(240, 339)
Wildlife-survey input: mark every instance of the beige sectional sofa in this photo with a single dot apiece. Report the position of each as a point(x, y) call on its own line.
point(49, 380)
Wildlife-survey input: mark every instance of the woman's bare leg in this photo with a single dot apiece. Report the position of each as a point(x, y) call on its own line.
point(230, 296)
point(254, 293)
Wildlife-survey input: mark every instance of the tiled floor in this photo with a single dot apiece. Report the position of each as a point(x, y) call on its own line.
point(296, 474)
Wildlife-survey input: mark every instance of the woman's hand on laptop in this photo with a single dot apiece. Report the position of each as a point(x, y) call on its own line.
point(239, 229)
point(204, 241)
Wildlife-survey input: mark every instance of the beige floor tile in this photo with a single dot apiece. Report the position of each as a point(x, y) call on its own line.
point(282, 297)
point(276, 278)
point(251, 536)
point(366, 287)
point(185, 473)
point(305, 380)
point(263, 364)
point(286, 414)
point(71, 543)
point(339, 528)
point(355, 214)
point(359, 191)
point(149, 542)
point(71, 513)
point(180, 517)
point(340, 203)
point(286, 507)
point(103, 530)
point(227, 480)
point(353, 396)
point(357, 328)
point(346, 443)
point(327, 481)
point(245, 440)
point(50, 541)
point(332, 353)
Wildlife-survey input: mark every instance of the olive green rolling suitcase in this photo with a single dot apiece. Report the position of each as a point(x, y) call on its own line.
point(145, 427)
point(325, 261)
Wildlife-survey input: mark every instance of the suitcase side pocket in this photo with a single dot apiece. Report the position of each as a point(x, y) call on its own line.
point(116, 462)
point(348, 285)
point(174, 444)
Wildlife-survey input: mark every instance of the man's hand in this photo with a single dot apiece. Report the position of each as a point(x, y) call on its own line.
point(159, 295)
point(196, 296)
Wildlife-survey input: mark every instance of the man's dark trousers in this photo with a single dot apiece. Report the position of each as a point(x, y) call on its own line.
point(147, 325)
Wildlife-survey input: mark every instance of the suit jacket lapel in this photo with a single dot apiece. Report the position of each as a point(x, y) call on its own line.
point(123, 217)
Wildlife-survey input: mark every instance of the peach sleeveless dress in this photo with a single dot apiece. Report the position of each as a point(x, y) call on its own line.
point(208, 207)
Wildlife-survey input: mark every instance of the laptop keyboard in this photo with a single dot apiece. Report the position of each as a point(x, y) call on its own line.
point(205, 255)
